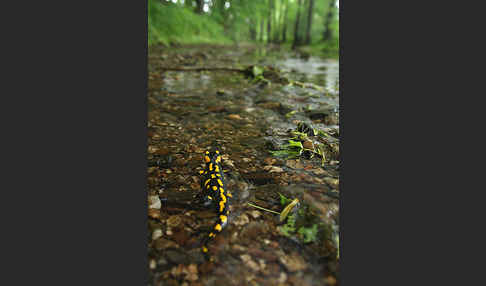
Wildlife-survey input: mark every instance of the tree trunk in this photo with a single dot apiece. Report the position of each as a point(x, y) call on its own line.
point(199, 6)
point(327, 23)
point(262, 26)
point(296, 27)
point(284, 29)
point(309, 22)
point(269, 22)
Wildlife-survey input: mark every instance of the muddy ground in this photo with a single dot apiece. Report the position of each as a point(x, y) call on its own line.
point(251, 119)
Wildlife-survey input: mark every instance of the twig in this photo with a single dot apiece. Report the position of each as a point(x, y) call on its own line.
point(263, 208)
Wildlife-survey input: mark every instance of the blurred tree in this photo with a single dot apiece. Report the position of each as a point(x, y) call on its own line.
point(329, 17)
point(296, 27)
point(284, 28)
point(309, 22)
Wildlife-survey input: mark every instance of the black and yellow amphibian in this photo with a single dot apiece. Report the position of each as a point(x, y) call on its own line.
point(214, 191)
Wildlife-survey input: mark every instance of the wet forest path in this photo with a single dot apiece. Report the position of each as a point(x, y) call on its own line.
point(278, 130)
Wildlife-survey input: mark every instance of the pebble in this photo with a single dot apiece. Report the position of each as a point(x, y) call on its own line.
point(162, 243)
point(292, 262)
point(273, 169)
point(255, 214)
point(153, 264)
point(174, 220)
point(154, 213)
point(154, 202)
point(308, 145)
point(331, 181)
point(234, 117)
point(249, 262)
point(156, 234)
point(241, 220)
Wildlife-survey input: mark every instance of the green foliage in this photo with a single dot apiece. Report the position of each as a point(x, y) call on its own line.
point(178, 24)
point(289, 228)
point(309, 234)
point(239, 21)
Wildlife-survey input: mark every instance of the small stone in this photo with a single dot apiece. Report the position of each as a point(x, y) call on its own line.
point(255, 214)
point(273, 169)
point(246, 160)
point(308, 145)
point(249, 262)
point(154, 213)
point(156, 234)
point(241, 220)
point(154, 202)
point(331, 280)
point(173, 220)
point(162, 243)
point(234, 117)
point(153, 264)
point(282, 278)
point(152, 149)
point(331, 181)
point(295, 164)
point(270, 161)
point(292, 262)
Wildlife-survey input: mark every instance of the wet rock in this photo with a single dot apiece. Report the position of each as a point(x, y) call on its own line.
point(152, 149)
point(331, 281)
point(253, 231)
point(294, 164)
point(181, 236)
point(331, 181)
point(234, 117)
point(156, 234)
point(259, 178)
point(270, 161)
point(216, 108)
point(174, 220)
point(293, 262)
point(308, 144)
point(249, 262)
point(176, 257)
point(273, 169)
point(154, 202)
point(255, 214)
point(152, 264)
point(241, 220)
point(162, 243)
point(154, 213)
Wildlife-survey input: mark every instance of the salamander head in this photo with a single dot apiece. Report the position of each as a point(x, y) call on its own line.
point(212, 156)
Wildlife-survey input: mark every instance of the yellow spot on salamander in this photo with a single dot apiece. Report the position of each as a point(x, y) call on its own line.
point(205, 249)
point(201, 172)
point(219, 175)
point(218, 159)
point(206, 158)
point(207, 152)
point(223, 218)
point(213, 176)
point(209, 197)
point(215, 188)
point(216, 169)
point(220, 182)
point(207, 186)
point(217, 152)
point(218, 227)
point(211, 234)
point(207, 181)
point(223, 198)
point(230, 195)
point(210, 166)
point(221, 206)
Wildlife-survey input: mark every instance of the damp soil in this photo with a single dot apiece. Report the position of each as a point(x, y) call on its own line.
point(250, 120)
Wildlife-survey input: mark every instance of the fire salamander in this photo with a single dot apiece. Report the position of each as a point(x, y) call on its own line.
point(214, 192)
